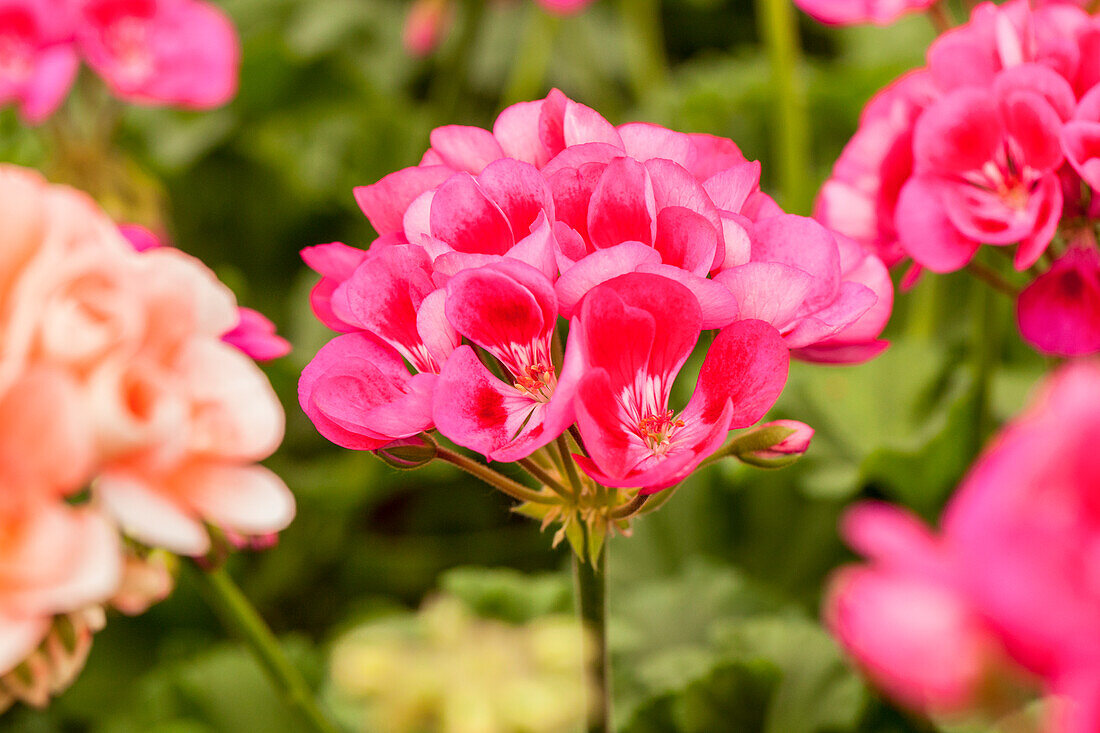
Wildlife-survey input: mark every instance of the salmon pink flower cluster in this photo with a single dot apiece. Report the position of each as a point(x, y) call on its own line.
point(996, 141)
point(556, 274)
point(1007, 591)
point(152, 52)
point(123, 413)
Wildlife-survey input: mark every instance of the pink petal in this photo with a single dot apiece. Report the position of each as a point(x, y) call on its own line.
point(730, 188)
point(686, 240)
point(464, 217)
point(19, 636)
point(802, 243)
point(712, 155)
point(747, 364)
point(600, 266)
point(495, 311)
point(717, 306)
point(851, 303)
point(958, 133)
point(53, 75)
point(520, 191)
point(517, 131)
point(255, 336)
point(384, 202)
point(436, 332)
point(475, 409)
point(245, 499)
point(1046, 202)
point(644, 141)
point(622, 207)
point(623, 302)
point(675, 186)
point(768, 291)
point(926, 232)
point(465, 148)
point(146, 512)
point(1059, 313)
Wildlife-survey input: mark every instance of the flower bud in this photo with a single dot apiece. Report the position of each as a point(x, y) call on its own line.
point(408, 453)
point(425, 25)
point(772, 445)
point(145, 581)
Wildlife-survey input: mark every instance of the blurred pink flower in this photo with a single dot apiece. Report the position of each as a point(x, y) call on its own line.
point(426, 24)
point(851, 12)
point(37, 64)
point(1008, 584)
point(178, 52)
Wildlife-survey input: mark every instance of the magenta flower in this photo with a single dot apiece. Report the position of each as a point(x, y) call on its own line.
point(1008, 585)
point(1081, 137)
point(179, 52)
point(851, 12)
point(37, 65)
point(510, 310)
point(985, 164)
point(634, 334)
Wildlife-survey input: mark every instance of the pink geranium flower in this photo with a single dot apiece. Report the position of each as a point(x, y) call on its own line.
point(634, 334)
point(986, 170)
point(180, 52)
point(510, 310)
point(37, 65)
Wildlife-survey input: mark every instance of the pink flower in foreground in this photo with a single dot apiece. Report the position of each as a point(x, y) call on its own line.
point(37, 66)
point(851, 12)
point(634, 334)
point(180, 52)
point(1010, 579)
point(510, 310)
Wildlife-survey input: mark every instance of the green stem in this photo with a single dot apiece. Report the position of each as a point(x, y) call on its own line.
point(985, 344)
point(497, 480)
point(535, 51)
point(590, 583)
point(992, 278)
point(570, 466)
point(647, 62)
point(239, 616)
point(541, 474)
point(779, 29)
point(924, 307)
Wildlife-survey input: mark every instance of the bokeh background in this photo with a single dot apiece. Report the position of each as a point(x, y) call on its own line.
point(715, 599)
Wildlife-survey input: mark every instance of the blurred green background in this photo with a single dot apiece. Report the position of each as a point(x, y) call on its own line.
point(715, 599)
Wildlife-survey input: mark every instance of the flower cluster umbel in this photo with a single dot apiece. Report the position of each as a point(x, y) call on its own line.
point(130, 425)
point(153, 52)
point(995, 143)
point(536, 290)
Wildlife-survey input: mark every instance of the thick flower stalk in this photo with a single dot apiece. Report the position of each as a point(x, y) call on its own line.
point(993, 144)
point(128, 361)
point(1004, 596)
point(537, 290)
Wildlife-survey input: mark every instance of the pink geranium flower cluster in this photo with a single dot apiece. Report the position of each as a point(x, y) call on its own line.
point(646, 243)
point(1007, 587)
point(122, 410)
point(176, 52)
point(995, 142)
